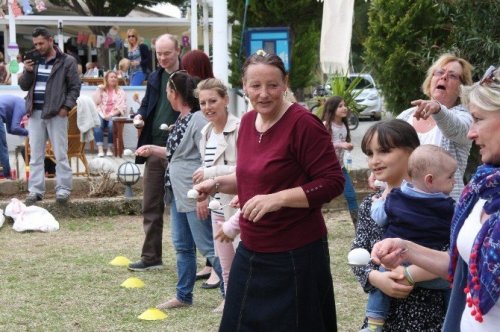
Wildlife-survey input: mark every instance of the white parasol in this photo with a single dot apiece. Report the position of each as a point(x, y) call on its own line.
point(336, 31)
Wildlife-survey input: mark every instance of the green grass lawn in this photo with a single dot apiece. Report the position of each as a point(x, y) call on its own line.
point(62, 281)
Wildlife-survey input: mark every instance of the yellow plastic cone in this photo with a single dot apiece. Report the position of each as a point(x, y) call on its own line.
point(152, 314)
point(133, 282)
point(120, 261)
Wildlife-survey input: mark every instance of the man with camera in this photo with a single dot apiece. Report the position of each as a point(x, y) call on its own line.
point(53, 84)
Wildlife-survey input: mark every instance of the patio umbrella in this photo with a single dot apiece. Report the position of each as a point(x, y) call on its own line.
point(336, 31)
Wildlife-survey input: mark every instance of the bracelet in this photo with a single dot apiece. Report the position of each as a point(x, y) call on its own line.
point(408, 276)
point(217, 185)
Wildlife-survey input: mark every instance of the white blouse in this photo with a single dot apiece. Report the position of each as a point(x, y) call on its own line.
point(465, 241)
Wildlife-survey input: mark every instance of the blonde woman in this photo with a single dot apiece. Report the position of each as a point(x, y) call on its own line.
point(111, 101)
point(218, 153)
point(140, 58)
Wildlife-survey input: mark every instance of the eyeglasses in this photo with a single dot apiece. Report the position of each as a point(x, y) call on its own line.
point(450, 74)
point(131, 36)
point(171, 79)
point(489, 76)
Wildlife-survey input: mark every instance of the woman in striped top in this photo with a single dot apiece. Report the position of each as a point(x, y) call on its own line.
point(218, 152)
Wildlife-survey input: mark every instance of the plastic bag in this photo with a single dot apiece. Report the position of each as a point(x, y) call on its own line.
point(30, 218)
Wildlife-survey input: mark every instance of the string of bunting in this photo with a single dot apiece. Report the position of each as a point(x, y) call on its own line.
point(22, 7)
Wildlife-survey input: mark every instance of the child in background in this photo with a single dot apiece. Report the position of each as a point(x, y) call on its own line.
point(419, 211)
point(335, 119)
point(231, 228)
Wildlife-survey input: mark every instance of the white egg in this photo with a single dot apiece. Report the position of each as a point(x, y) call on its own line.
point(128, 152)
point(163, 126)
point(358, 256)
point(214, 205)
point(193, 193)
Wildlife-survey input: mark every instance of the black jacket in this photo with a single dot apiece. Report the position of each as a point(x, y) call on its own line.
point(63, 86)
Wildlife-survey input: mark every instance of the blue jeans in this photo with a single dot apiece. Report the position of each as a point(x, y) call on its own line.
point(379, 304)
point(4, 151)
point(99, 132)
point(137, 78)
point(189, 233)
point(349, 193)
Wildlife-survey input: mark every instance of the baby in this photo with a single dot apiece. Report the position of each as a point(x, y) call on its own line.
point(419, 211)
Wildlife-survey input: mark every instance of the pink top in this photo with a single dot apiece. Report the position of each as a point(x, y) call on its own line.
point(296, 151)
point(112, 102)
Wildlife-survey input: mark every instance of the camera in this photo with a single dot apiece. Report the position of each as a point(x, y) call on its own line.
point(34, 56)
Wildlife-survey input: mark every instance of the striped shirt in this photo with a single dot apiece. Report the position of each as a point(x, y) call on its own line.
point(42, 76)
point(210, 149)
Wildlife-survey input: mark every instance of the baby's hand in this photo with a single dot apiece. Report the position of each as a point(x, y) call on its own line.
point(235, 202)
point(222, 237)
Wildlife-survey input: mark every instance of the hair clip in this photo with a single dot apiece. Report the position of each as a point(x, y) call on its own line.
point(261, 52)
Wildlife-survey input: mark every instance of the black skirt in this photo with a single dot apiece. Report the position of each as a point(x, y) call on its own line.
point(287, 291)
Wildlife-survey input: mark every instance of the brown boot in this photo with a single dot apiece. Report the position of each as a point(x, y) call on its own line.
point(354, 218)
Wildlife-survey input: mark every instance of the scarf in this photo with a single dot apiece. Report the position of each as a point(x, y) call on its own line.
point(482, 288)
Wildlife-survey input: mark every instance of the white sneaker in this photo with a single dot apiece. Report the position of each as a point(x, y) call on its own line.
point(109, 153)
point(100, 154)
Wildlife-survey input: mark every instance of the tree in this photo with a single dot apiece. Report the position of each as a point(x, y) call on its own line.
point(475, 31)
point(359, 34)
point(404, 38)
point(305, 31)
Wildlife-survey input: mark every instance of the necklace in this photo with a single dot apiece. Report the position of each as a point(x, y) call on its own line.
point(272, 122)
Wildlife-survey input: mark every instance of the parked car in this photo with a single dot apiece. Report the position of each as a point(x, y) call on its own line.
point(369, 98)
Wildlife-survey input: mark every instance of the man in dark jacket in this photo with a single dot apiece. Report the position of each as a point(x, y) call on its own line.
point(155, 110)
point(12, 111)
point(53, 85)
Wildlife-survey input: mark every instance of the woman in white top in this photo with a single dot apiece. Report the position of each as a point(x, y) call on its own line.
point(473, 262)
point(218, 152)
point(443, 120)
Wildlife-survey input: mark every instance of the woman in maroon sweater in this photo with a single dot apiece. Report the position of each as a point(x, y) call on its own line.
point(286, 170)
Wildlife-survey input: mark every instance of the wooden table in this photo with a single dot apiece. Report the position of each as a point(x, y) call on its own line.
point(118, 124)
point(99, 80)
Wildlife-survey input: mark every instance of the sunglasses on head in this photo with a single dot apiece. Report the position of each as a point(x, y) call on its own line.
point(489, 75)
point(171, 81)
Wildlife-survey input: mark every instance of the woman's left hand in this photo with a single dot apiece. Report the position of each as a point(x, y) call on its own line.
point(202, 209)
point(256, 207)
point(425, 108)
